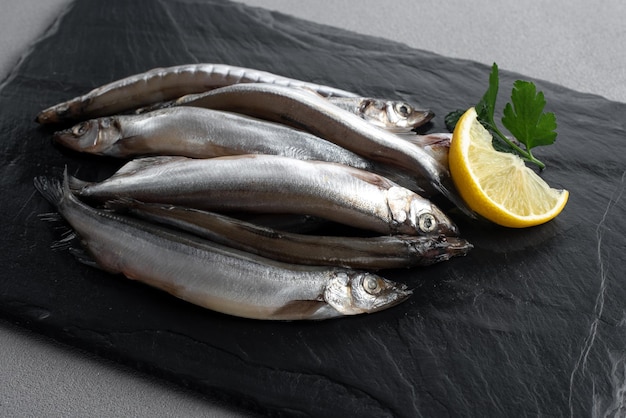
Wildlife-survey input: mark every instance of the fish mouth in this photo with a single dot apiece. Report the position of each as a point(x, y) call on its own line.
point(421, 117)
point(79, 137)
point(446, 247)
point(392, 297)
point(401, 292)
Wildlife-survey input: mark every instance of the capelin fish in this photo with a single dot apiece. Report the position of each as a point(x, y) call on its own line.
point(275, 184)
point(215, 277)
point(371, 253)
point(303, 110)
point(205, 133)
point(391, 115)
point(162, 84)
point(199, 133)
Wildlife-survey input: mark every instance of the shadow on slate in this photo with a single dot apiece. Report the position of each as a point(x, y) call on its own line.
point(532, 322)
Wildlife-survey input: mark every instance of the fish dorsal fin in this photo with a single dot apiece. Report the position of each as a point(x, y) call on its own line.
point(75, 184)
point(139, 164)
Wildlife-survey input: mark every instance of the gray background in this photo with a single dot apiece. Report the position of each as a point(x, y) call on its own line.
point(572, 43)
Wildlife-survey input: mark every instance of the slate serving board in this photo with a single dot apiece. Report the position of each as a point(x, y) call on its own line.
point(531, 323)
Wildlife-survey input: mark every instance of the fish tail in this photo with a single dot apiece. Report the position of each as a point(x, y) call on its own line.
point(54, 190)
point(50, 188)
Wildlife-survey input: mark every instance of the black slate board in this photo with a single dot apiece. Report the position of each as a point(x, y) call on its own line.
point(531, 323)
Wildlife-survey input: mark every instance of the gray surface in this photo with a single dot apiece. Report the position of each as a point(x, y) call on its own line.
point(567, 42)
point(577, 44)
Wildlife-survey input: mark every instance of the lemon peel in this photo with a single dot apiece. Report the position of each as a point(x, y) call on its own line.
point(498, 185)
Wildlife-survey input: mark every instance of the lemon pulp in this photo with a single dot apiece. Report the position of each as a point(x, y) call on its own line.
point(498, 185)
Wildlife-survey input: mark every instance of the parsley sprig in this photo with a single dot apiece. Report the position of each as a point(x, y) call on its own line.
point(523, 117)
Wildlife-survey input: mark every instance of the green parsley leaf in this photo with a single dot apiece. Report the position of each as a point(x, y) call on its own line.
point(525, 118)
point(452, 118)
point(486, 107)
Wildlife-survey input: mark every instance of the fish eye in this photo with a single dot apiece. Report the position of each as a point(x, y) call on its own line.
point(80, 129)
point(372, 285)
point(427, 222)
point(403, 109)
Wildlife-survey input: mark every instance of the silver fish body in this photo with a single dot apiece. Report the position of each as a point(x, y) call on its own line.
point(391, 115)
point(275, 184)
point(216, 277)
point(162, 84)
point(205, 133)
point(373, 253)
point(302, 109)
point(199, 133)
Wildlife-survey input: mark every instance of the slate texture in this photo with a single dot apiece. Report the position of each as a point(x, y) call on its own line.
point(532, 322)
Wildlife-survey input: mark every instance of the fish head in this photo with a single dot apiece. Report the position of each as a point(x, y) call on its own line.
point(356, 292)
point(96, 136)
point(415, 215)
point(394, 115)
point(432, 221)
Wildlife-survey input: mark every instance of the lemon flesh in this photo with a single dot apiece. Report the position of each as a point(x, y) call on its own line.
point(498, 185)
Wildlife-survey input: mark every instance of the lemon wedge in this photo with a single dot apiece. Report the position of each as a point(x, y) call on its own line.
point(498, 185)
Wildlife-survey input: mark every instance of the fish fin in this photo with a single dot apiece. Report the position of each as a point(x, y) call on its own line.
point(121, 204)
point(54, 192)
point(50, 189)
point(50, 217)
point(68, 238)
point(76, 184)
point(370, 177)
point(139, 164)
point(442, 139)
point(304, 309)
point(154, 107)
point(82, 256)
